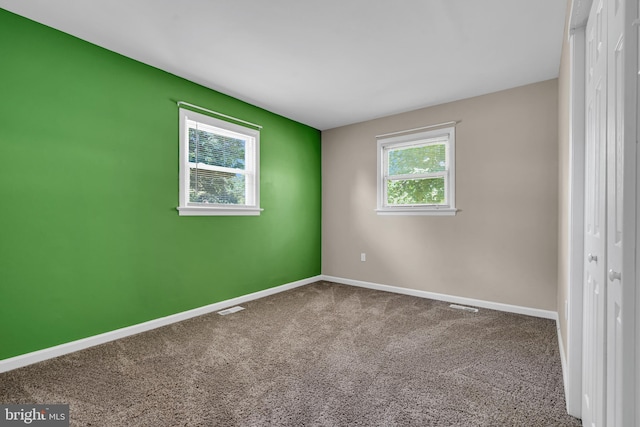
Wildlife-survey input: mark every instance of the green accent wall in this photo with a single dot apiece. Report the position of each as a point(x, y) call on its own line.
point(90, 238)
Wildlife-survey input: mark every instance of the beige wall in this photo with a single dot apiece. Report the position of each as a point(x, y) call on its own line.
point(564, 82)
point(501, 246)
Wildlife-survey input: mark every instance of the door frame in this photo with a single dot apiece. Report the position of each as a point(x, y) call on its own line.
point(578, 18)
point(573, 385)
point(630, 243)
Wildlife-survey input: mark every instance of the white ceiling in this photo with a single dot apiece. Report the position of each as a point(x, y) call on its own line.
point(326, 63)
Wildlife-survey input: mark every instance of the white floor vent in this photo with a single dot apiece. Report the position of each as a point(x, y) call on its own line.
point(465, 308)
point(230, 310)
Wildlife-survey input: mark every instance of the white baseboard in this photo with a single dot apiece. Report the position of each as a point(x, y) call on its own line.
point(70, 347)
point(535, 312)
point(563, 360)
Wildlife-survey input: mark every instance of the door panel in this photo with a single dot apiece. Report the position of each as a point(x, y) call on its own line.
point(615, 209)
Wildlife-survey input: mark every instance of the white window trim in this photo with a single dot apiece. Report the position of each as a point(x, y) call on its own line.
point(411, 139)
point(187, 208)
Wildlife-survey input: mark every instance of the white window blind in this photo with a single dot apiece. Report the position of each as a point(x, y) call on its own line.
point(219, 167)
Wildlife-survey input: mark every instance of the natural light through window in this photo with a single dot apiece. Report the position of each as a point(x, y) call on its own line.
point(416, 173)
point(219, 166)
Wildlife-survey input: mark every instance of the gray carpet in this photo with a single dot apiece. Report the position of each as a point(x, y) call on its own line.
point(319, 355)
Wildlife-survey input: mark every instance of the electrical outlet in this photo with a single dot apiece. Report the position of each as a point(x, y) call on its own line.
point(363, 257)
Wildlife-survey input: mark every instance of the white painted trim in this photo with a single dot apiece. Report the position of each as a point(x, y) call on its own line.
point(252, 172)
point(563, 361)
point(444, 135)
point(575, 257)
point(579, 13)
point(70, 347)
point(217, 211)
point(528, 311)
point(636, 278)
point(631, 287)
point(417, 211)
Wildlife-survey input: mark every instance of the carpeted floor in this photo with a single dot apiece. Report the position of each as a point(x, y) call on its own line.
point(319, 355)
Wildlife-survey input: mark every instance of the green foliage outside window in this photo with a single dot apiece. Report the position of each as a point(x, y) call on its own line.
point(418, 160)
point(416, 192)
point(414, 160)
point(208, 186)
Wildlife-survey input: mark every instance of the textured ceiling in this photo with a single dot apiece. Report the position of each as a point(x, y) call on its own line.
point(326, 63)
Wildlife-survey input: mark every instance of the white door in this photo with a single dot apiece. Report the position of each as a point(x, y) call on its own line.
point(594, 293)
point(615, 175)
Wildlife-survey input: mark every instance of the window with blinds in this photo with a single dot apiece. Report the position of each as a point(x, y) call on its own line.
point(219, 167)
point(416, 173)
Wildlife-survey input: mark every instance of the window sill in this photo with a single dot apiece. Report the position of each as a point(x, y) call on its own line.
point(218, 211)
point(418, 211)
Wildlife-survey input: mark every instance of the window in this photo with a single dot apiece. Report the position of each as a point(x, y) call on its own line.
point(416, 174)
point(219, 167)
